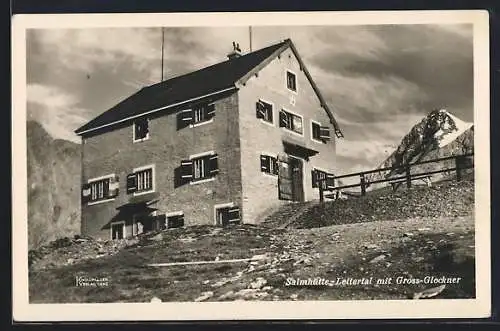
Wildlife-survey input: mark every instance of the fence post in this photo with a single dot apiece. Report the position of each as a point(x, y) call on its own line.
point(458, 166)
point(408, 176)
point(363, 184)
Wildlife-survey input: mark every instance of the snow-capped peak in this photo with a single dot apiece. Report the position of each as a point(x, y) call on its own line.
point(450, 128)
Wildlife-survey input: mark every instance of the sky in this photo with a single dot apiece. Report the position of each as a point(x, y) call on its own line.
point(379, 80)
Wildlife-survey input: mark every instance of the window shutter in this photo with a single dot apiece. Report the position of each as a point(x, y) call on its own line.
point(210, 109)
point(86, 193)
point(264, 164)
point(213, 162)
point(275, 165)
point(260, 111)
point(187, 170)
point(233, 215)
point(330, 181)
point(324, 133)
point(184, 118)
point(283, 120)
point(314, 178)
point(131, 183)
point(114, 186)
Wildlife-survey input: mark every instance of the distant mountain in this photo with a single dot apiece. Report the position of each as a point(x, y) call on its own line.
point(439, 134)
point(53, 186)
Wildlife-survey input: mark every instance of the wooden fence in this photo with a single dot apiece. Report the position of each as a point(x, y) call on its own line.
point(407, 177)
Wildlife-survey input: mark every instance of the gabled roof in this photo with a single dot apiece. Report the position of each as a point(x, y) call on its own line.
point(218, 78)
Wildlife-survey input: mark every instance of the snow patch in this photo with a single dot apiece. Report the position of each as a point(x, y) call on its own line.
point(445, 138)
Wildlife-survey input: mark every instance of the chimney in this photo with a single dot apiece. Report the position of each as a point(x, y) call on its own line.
point(235, 53)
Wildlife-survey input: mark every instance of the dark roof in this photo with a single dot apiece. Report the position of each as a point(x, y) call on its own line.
point(212, 79)
point(198, 83)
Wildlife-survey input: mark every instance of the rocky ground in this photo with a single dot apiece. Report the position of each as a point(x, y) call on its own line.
point(340, 258)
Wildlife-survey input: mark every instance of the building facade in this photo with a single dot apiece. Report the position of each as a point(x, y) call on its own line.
point(229, 143)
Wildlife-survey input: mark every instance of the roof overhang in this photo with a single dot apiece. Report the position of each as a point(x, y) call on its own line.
point(298, 148)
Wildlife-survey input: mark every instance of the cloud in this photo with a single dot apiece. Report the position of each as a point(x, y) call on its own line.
point(56, 110)
point(378, 80)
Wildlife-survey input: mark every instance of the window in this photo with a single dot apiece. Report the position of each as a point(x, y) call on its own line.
point(291, 121)
point(174, 220)
point(100, 189)
point(201, 113)
point(141, 129)
point(269, 164)
point(199, 168)
point(320, 176)
point(264, 111)
point(316, 131)
point(226, 214)
point(291, 81)
point(142, 180)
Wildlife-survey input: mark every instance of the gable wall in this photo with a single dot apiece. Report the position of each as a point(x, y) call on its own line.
point(260, 191)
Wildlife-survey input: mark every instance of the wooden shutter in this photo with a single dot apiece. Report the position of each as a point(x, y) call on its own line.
point(264, 163)
point(113, 186)
point(260, 110)
point(233, 215)
point(284, 178)
point(210, 111)
point(213, 162)
point(131, 183)
point(314, 177)
point(86, 193)
point(275, 165)
point(184, 118)
point(283, 120)
point(330, 181)
point(324, 133)
point(187, 170)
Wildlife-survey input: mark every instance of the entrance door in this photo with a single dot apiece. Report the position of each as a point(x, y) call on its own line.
point(290, 178)
point(117, 230)
point(297, 179)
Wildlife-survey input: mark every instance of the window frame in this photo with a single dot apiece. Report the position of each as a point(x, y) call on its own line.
point(95, 180)
point(296, 91)
point(134, 139)
point(318, 140)
point(153, 179)
point(204, 156)
point(297, 115)
point(271, 123)
point(204, 111)
point(124, 231)
point(221, 206)
point(270, 156)
point(173, 214)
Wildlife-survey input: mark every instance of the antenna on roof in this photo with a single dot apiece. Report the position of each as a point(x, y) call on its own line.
point(250, 37)
point(162, 51)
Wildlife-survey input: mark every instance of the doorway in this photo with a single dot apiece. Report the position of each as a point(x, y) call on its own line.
point(297, 174)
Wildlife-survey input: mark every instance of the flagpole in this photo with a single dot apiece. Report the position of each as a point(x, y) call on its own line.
point(162, 51)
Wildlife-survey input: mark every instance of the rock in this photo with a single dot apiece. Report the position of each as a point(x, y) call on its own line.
point(204, 296)
point(424, 229)
point(227, 295)
point(371, 246)
point(155, 300)
point(378, 259)
point(429, 293)
point(258, 283)
point(205, 282)
point(267, 288)
point(294, 296)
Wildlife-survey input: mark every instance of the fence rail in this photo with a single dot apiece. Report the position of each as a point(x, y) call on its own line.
point(408, 177)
